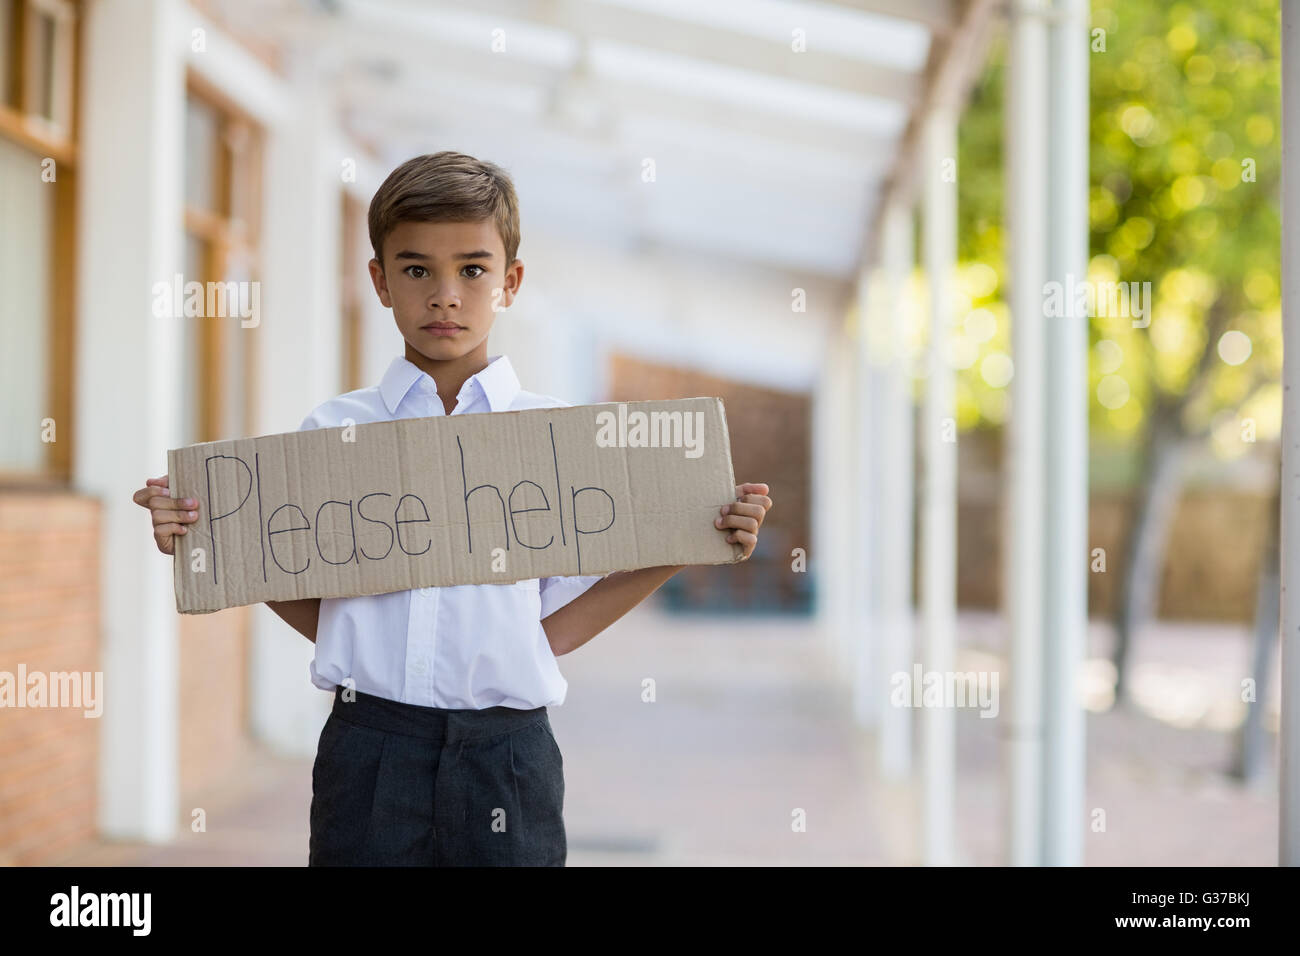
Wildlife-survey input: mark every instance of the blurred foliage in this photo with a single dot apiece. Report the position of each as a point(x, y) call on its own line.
point(1184, 98)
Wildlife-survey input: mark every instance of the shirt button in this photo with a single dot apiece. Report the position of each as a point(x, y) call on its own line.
point(418, 665)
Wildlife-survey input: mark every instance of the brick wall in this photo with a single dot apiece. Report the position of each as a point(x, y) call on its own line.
point(214, 698)
point(1210, 567)
point(1211, 561)
point(49, 621)
point(770, 442)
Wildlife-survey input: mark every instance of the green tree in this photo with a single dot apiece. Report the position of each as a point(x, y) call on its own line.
point(1184, 186)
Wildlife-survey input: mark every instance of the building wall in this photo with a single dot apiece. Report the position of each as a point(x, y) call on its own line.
point(214, 699)
point(770, 433)
point(1210, 565)
point(49, 621)
point(1211, 559)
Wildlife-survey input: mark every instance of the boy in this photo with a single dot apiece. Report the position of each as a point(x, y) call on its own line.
point(439, 750)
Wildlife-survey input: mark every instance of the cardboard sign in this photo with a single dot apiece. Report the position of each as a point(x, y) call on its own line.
point(488, 498)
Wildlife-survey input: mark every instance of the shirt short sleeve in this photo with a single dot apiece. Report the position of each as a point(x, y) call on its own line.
point(559, 591)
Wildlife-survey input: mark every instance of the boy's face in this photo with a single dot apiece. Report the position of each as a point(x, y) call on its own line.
point(442, 279)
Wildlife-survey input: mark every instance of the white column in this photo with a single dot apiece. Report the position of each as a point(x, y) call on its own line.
point(1022, 574)
point(825, 557)
point(1065, 549)
point(128, 370)
point(897, 499)
point(820, 548)
point(300, 362)
point(939, 495)
point(848, 623)
point(1289, 767)
point(836, 564)
point(865, 536)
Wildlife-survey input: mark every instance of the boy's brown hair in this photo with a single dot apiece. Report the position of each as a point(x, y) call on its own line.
point(445, 187)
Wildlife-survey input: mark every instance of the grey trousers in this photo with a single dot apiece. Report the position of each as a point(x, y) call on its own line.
point(397, 784)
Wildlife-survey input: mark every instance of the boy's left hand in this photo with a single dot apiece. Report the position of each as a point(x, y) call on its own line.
point(745, 516)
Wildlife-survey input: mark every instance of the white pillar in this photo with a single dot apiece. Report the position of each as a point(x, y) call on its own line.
point(865, 539)
point(1022, 571)
point(1065, 548)
point(826, 558)
point(128, 372)
point(1289, 766)
point(896, 495)
point(939, 496)
point(300, 318)
point(819, 554)
point(839, 577)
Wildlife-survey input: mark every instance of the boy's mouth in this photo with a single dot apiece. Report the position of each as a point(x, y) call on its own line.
point(441, 328)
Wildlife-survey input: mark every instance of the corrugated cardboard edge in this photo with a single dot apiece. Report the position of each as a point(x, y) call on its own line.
point(737, 549)
point(178, 556)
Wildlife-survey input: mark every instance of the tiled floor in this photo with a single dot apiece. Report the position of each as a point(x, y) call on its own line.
point(749, 725)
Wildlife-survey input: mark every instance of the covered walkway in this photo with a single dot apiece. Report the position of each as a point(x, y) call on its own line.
point(751, 723)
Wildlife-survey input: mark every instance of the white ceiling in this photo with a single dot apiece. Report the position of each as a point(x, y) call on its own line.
point(761, 153)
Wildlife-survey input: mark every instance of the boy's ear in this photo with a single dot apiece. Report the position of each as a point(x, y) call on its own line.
point(380, 282)
point(514, 278)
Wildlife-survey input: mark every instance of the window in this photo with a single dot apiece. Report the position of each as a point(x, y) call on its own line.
point(201, 131)
point(47, 28)
point(37, 243)
point(8, 84)
point(195, 265)
point(223, 157)
point(26, 226)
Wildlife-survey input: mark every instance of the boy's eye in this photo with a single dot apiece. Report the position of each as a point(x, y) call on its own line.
point(422, 271)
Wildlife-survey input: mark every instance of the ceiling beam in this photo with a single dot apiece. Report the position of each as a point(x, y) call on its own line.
point(938, 16)
point(780, 180)
point(463, 80)
point(696, 41)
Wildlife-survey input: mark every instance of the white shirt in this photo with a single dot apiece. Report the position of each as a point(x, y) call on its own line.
point(463, 646)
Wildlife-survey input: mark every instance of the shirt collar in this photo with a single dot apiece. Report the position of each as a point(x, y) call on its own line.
point(497, 381)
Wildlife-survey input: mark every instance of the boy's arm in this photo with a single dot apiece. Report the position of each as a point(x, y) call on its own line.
point(302, 615)
point(616, 593)
point(601, 605)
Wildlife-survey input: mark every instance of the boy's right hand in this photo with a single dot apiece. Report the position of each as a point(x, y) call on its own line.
point(170, 515)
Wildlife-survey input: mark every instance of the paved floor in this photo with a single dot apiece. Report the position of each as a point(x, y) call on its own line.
point(749, 726)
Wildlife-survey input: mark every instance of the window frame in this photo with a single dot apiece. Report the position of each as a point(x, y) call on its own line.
point(54, 141)
point(19, 120)
point(226, 235)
